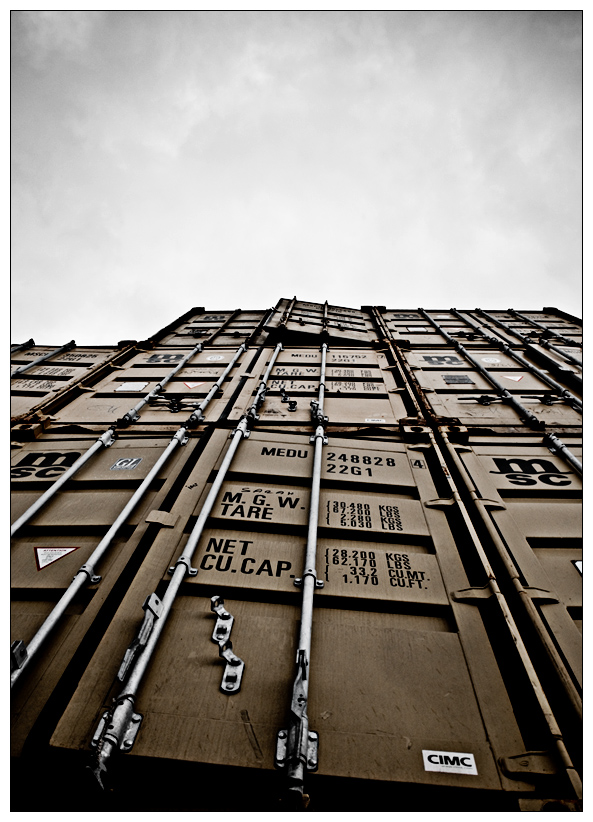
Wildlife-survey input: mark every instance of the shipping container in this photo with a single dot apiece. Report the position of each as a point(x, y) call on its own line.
point(43, 375)
point(338, 565)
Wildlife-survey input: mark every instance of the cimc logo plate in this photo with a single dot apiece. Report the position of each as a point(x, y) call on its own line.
point(449, 762)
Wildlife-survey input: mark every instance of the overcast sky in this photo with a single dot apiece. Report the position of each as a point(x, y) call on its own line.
point(164, 160)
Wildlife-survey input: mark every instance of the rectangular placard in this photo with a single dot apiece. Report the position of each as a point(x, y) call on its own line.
point(362, 512)
point(364, 570)
point(449, 762)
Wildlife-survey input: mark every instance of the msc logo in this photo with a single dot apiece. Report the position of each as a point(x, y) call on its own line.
point(449, 762)
point(449, 360)
point(531, 471)
point(166, 358)
point(43, 465)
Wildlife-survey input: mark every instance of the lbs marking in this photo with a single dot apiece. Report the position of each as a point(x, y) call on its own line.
point(358, 515)
point(361, 568)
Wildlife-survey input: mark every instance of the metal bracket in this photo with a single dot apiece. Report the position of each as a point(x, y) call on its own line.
point(485, 399)
point(153, 608)
point(233, 672)
point(18, 654)
point(472, 595)
point(192, 572)
point(90, 572)
point(492, 504)
point(538, 763)
point(129, 734)
point(224, 623)
point(440, 503)
point(312, 750)
point(546, 399)
point(541, 594)
point(314, 436)
point(284, 395)
point(298, 581)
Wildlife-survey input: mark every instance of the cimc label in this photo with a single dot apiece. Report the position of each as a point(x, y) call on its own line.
point(449, 762)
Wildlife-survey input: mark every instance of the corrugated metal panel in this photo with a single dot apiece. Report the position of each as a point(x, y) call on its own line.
point(414, 550)
point(39, 385)
point(445, 657)
point(58, 541)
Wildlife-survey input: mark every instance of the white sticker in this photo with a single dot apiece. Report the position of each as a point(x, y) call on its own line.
point(131, 386)
point(126, 463)
point(373, 419)
point(215, 357)
point(515, 379)
point(579, 565)
point(45, 556)
point(490, 359)
point(449, 762)
point(193, 384)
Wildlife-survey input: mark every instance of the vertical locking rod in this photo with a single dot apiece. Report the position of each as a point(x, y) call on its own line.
point(544, 705)
point(574, 401)
point(87, 572)
point(104, 441)
point(21, 346)
point(132, 415)
point(547, 331)
point(121, 713)
point(44, 357)
point(299, 756)
point(544, 343)
point(505, 395)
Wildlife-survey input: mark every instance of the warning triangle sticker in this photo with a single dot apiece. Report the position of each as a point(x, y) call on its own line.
point(46, 556)
point(508, 377)
point(193, 384)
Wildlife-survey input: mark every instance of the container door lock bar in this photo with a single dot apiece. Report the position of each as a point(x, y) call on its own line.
point(297, 747)
point(152, 610)
point(233, 672)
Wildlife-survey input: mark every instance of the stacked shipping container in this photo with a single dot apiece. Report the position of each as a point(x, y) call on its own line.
point(328, 557)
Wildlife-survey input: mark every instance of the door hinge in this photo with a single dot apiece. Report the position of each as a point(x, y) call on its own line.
point(472, 595)
point(537, 763)
point(439, 503)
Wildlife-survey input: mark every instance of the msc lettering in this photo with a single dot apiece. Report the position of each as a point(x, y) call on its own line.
point(44, 465)
point(531, 471)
